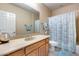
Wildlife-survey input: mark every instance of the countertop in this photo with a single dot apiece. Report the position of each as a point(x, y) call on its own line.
point(17, 44)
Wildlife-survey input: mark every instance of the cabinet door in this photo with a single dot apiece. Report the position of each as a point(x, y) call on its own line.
point(33, 53)
point(47, 49)
point(42, 50)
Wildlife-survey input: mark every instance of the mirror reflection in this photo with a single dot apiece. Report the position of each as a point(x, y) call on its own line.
point(19, 21)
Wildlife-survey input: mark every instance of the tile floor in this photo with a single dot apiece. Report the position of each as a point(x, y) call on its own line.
point(53, 51)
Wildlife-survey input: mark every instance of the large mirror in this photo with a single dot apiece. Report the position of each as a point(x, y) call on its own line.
point(28, 21)
point(19, 18)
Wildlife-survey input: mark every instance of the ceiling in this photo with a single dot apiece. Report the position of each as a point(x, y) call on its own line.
point(53, 6)
point(26, 7)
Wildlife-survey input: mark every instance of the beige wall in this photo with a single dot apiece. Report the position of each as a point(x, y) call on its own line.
point(68, 8)
point(22, 17)
point(43, 11)
point(72, 7)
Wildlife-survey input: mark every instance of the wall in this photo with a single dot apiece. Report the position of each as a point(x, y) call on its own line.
point(68, 8)
point(43, 11)
point(64, 9)
point(22, 17)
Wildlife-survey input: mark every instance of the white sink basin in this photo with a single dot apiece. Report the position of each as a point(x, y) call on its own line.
point(38, 36)
point(33, 37)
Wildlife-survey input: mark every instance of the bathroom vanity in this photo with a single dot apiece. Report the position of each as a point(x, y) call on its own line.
point(37, 46)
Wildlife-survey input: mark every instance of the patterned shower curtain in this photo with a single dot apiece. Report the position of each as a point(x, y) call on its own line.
point(62, 30)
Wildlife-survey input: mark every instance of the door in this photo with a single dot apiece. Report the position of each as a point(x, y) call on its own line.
point(42, 50)
point(47, 47)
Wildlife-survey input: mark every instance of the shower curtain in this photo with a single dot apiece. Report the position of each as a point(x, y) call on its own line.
point(62, 29)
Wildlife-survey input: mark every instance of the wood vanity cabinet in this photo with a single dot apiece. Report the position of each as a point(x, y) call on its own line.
point(37, 49)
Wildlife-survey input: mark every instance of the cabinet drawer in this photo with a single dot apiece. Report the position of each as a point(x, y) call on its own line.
point(47, 40)
point(34, 46)
point(18, 53)
point(41, 43)
point(33, 53)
